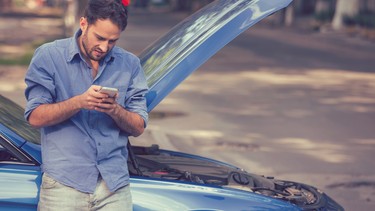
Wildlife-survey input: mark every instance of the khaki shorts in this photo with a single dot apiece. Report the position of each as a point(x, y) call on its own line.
point(55, 196)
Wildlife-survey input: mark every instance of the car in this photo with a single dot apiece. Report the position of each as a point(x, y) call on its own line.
point(164, 179)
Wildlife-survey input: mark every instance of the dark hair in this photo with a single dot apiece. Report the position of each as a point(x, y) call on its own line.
point(107, 9)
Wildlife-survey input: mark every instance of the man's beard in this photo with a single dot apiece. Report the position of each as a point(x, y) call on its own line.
point(90, 52)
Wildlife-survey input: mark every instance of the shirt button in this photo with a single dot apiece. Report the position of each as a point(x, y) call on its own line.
point(99, 144)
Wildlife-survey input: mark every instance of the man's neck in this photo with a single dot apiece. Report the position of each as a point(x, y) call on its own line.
point(92, 63)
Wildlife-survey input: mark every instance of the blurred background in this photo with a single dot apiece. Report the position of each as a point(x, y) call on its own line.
point(293, 97)
point(354, 17)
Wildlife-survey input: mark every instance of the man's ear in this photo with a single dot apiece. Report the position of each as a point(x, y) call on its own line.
point(83, 23)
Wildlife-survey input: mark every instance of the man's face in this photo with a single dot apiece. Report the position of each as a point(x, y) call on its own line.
point(98, 38)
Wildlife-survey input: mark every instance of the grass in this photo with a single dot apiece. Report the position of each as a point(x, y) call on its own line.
point(22, 60)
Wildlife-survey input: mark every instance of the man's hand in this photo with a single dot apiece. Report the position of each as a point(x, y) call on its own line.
point(106, 104)
point(127, 121)
point(51, 114)
point(92, 99)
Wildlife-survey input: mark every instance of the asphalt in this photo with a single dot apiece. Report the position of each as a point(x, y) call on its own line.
point(286, 102)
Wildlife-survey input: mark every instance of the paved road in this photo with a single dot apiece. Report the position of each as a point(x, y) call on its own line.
point(292, 104)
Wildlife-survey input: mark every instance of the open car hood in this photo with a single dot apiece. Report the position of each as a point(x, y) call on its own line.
point(189, 44)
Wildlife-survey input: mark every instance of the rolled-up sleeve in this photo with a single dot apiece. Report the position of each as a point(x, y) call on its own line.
point(40, 86)
point(135, 100)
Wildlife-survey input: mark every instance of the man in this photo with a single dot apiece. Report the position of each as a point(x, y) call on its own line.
point(84, 131)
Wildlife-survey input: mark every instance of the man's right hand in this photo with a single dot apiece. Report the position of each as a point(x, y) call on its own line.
point(51, 114)
point(89, 99)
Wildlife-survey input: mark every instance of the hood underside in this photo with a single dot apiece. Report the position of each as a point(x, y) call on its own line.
point(188, 45)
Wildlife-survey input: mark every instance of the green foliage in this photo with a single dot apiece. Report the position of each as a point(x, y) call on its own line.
point(22, 60)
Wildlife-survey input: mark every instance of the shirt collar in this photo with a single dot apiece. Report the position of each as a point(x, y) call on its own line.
point(74, 50)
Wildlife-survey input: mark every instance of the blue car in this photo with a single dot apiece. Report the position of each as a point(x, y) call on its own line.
point(162, 179)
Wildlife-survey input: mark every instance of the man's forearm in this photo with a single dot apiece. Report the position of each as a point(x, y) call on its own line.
point(127, 121)
point(51, 114)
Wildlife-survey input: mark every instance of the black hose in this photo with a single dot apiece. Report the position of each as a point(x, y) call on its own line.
point(133, 159)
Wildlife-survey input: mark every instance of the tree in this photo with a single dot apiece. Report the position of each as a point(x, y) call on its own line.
point(289, 15)
point(73, 10)
point(344, 8)
point(70, 11)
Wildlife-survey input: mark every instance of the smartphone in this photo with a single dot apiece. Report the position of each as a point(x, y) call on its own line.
point(111, 92)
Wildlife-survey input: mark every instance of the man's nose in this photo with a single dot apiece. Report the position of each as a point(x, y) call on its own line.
point(103, 46)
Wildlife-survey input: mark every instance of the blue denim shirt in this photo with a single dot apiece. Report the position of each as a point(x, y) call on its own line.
point(75, 151)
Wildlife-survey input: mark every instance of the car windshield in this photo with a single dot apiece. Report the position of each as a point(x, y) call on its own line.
point(11, 116)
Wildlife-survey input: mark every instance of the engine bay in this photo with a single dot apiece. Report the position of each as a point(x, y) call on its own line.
point(154, 163)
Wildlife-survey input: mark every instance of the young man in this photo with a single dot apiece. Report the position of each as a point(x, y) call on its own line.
point(85, 131)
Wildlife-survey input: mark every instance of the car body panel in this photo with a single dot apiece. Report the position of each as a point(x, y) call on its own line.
point(33, 151)
point(185, 196)
point(192, 42)
point(19, 186)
